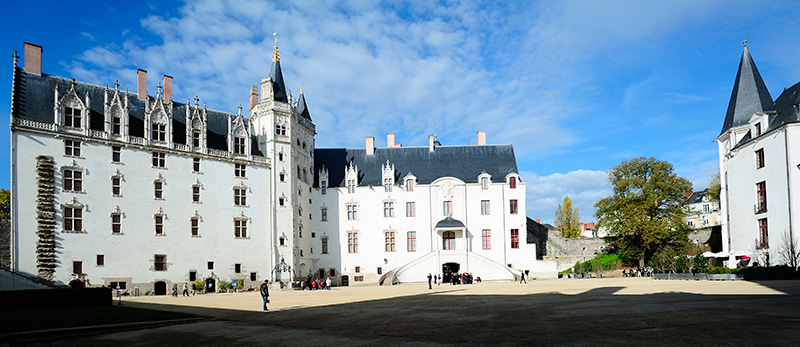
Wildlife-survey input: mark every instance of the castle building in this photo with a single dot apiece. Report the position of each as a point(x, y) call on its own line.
point(759, 176)
point(119, 188)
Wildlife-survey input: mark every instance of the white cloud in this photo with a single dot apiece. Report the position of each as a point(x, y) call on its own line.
point(584, 188)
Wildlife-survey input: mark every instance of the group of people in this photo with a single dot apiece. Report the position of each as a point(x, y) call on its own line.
point(638, 272)
point(175, 289)
point(316, 284)
point(452, 278)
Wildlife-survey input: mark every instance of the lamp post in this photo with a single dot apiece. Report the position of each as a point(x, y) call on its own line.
point(119, 296)
point(280, 268)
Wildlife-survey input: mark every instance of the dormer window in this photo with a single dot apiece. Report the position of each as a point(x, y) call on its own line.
point(512, 182)
point(72, 117)
point(409, 185)
point(484, 183)
point(757, 129)
point(351, 186)
point(324, 187)
point(159, 132)
point(238, 145)
point(196, 138)
point(116, 125)
point(387, 185)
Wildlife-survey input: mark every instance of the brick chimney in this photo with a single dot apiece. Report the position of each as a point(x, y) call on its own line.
point(167, 82)
point(430, 143)
point(253, 97)
point(141, 83)
point(33, 58)
point(481, 138)
point(370, 144)
point(390, 140)
point(537, 221)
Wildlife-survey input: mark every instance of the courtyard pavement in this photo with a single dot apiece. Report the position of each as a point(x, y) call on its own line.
point(608, 311)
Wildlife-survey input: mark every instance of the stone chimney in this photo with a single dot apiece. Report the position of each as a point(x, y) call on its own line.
point(33, 58)
point(430, 143)
point(482, 139)
point(370, 145)
point(167, 82)
point(141, 86)
point(390, 140)
point(253, 97)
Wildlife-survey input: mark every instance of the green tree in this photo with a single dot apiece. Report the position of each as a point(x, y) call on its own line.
point(5, 203)
point(567, 219)
point(645, 214)
point(714, 187)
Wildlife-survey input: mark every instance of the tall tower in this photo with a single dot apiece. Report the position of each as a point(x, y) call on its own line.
point(749, 98)
point(285, 134)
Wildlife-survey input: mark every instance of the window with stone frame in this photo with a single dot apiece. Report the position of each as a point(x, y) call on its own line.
point(196, 193)
point(73, 218)
point(72, 117)
point(448, 240)
point(351, 186)
point(387, 185)
point(240, 170)
point(763, 234)
point(388, 208)
point(515, 238)
point(761, 197)
point(411, 209)
point(195, 226)
point(484, 207)
point(759, 158)
point(158, 189)
point(72, 180)
point(158, 132)
point(409, 185)
point(77, 267)
point(196, 138)
point(159, 224)
point(324, 214)
point(116, 186)
point(240, 196)
point(324, 245)
point(484, 183)
point(159, 160)
point(195, 164)
point(116, 154)
point(352, 242)
point(411, 242)
point(116, 125)
point(240, 228)
point(352, 212)
point(758, 129)
point(239, 145)
point(512, 182)
point(389, 244)
point(72, 148)
point(282, 176)
point(323, 185)
point(160, 262)
point(116, 223)
point(101, 260)
point(447, 208)
point(486, 239)
point(513, 206)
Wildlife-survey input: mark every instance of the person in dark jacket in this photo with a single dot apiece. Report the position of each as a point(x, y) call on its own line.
point(265, 293)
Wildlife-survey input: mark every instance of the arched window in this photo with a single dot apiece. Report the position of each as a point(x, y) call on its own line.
point(449, 240)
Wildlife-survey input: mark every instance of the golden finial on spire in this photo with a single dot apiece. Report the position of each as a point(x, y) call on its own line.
point(275, 56)
point(301, 87)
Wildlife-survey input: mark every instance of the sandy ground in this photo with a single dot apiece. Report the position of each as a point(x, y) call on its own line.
point(609, 311)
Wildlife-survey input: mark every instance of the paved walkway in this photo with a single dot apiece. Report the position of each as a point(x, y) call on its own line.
point(612, 311)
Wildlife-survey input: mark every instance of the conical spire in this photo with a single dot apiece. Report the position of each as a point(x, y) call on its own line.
point(750, 94)
point(278, 88)
point(302, 108)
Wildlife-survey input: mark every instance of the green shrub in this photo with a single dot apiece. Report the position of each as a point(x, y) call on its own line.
point(700, 263)
point(198, 286)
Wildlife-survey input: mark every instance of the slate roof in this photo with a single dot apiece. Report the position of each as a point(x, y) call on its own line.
point(449, 222)
point(462, 162)
point(750, 94)
point(302, 108)
point(34, 97)
point(784, 110)
point(697, 197)
point(278, 87)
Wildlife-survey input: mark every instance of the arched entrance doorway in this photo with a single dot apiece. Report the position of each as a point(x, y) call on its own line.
point(448, 269)
point(160, 288)
point(211, 285)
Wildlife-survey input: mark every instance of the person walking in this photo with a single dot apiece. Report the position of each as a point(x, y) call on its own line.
point(328, 283)
point(174, 290)
point(440, 280)
point(265, 293)
point(185, 289)
point(429, 281)
point(522, 277)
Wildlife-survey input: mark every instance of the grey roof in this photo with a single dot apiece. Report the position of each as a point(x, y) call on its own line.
point(34, 98)
point(449, 222)
point(278, 87)
point(750, 94)
point(697, 197)
point(783, 111)
point(302, 108)
point(463, 162)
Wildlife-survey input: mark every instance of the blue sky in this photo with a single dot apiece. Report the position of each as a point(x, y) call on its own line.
point(575, 86)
